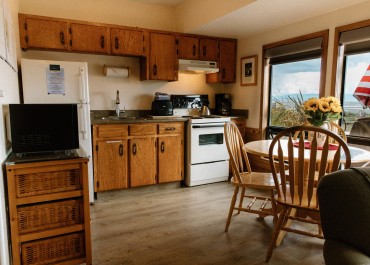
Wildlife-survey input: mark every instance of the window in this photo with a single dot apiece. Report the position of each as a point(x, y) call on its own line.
point(350, 68)
point(293, 73)
point(291, 84)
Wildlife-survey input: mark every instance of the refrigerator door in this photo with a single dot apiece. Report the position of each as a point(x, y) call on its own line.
point(61, 82)
point(54, 81)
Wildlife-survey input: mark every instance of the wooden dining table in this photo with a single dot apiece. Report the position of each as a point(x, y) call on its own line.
point(261, 148)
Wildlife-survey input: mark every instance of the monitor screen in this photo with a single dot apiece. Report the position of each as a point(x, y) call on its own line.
point(43, 127)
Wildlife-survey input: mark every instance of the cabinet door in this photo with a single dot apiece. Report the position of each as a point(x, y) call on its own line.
point(163, 64)
point(112, 170)
point(227, 64)
point(142, 161)
point(89, 38)
point(170, 158)
point(228, 61)
point(46, 34)
point(127, 42)
point(209, 50)
point(188, 47)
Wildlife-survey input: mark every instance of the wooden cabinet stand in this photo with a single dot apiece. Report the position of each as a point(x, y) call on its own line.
point(49, 212)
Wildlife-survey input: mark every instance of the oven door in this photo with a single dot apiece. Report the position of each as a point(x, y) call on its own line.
point(207, 143)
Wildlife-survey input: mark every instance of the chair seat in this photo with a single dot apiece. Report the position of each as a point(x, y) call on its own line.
point(257, 180)
point(303, 205)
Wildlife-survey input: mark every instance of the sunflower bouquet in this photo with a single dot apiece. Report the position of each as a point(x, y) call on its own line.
point(320, 110)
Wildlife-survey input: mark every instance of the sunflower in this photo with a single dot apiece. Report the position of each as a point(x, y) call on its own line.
point(311, 104)
point(324, 105)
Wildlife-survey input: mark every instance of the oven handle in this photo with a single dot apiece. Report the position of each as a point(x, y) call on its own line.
point(207, 126)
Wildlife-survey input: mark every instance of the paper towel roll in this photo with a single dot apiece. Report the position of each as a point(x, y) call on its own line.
point(116, 72)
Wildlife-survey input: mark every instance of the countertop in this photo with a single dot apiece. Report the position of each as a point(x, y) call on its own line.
point(141, 116)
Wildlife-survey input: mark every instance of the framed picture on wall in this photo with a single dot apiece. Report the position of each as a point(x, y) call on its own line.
point(248, 67)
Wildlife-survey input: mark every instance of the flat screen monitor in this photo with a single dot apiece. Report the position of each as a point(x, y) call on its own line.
point(39, 128)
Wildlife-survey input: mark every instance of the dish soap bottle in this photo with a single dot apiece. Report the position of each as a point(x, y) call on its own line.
point(117, 104)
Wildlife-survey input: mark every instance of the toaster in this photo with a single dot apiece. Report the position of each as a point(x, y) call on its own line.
point(162, 108)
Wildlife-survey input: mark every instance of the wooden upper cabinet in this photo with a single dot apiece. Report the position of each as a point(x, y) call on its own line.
point(127, 42)
point(163, 63)
point(209, 49)
point(38, 33)
point(89, 38)
point(188, 47)
point(227, 64)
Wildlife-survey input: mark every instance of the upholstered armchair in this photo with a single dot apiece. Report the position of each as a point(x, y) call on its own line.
point(344, 201)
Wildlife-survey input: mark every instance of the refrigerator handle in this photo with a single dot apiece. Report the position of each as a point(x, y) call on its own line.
point(83, 90)
point(84, 123)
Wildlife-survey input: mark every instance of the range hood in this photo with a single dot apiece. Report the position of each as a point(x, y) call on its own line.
point(197, 67)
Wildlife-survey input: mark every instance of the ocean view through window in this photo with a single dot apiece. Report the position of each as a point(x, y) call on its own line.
point(291, 84)
point(356, 119)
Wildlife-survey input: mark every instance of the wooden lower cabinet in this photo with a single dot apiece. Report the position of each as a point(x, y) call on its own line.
point(49, 212)
point(142, 161)
point(132, 155)
point(170, 159)
point(112, 165)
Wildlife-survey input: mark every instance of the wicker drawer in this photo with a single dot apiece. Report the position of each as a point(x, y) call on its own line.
point(39, 183)
point(44, 216)
point(52, 250)
point(170, 128)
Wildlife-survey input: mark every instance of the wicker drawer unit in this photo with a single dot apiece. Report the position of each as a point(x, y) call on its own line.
point(49, 212)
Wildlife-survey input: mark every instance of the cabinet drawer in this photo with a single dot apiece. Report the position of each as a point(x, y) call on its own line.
point(170, 128)
point(239, 122)
point(53, 250)
point(39, 183)
point(33, 218)
point(142, 129)
point(112, 131)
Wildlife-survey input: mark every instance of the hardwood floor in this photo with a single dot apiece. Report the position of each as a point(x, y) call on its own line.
point(168, 224)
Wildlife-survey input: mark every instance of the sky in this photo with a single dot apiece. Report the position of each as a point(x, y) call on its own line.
point(290, 78)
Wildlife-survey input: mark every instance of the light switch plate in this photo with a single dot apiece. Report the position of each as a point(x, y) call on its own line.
point(1, 93)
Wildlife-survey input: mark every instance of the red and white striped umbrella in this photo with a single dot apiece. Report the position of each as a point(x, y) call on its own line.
point(362, 91)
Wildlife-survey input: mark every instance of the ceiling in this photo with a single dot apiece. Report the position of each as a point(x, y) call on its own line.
point(261, 15)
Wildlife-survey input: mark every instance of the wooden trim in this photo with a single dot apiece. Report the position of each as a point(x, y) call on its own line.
point(338, 31)
point(264, 86)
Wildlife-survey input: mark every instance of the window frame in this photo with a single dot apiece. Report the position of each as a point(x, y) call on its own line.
point(337, 76)
point(266, 76)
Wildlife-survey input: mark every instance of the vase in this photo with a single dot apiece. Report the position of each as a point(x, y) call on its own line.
point(320, 137)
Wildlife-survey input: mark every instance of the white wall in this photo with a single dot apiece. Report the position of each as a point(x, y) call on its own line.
point(249, 97)
point(9, 85)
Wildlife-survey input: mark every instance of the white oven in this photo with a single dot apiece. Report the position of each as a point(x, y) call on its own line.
point(207, 159)
point(207, 156)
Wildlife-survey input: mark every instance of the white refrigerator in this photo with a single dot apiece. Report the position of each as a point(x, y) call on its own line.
point(62, 82)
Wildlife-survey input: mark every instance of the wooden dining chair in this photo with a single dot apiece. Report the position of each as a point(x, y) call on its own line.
point(296, 191)
point(243, 179)
point(334, 127)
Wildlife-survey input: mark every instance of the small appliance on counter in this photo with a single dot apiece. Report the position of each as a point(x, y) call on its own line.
point(162, 105)
point(223, 104)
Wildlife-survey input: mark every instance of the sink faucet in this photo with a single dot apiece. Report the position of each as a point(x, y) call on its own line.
point(117, 104)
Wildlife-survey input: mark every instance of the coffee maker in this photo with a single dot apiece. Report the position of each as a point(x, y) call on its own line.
point(223, 104)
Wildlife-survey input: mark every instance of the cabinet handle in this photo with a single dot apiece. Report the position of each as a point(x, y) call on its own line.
point(134, 149)
point(170, 129)
point(102, 42)
point(204, 50)
point(116, 44)
point(62, 40)
point(154, 69)
point(162, 147)
point(223, 73)
point(194, 50)
point(120, 150)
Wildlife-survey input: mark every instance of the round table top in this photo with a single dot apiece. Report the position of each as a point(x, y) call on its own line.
point(261, 148)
